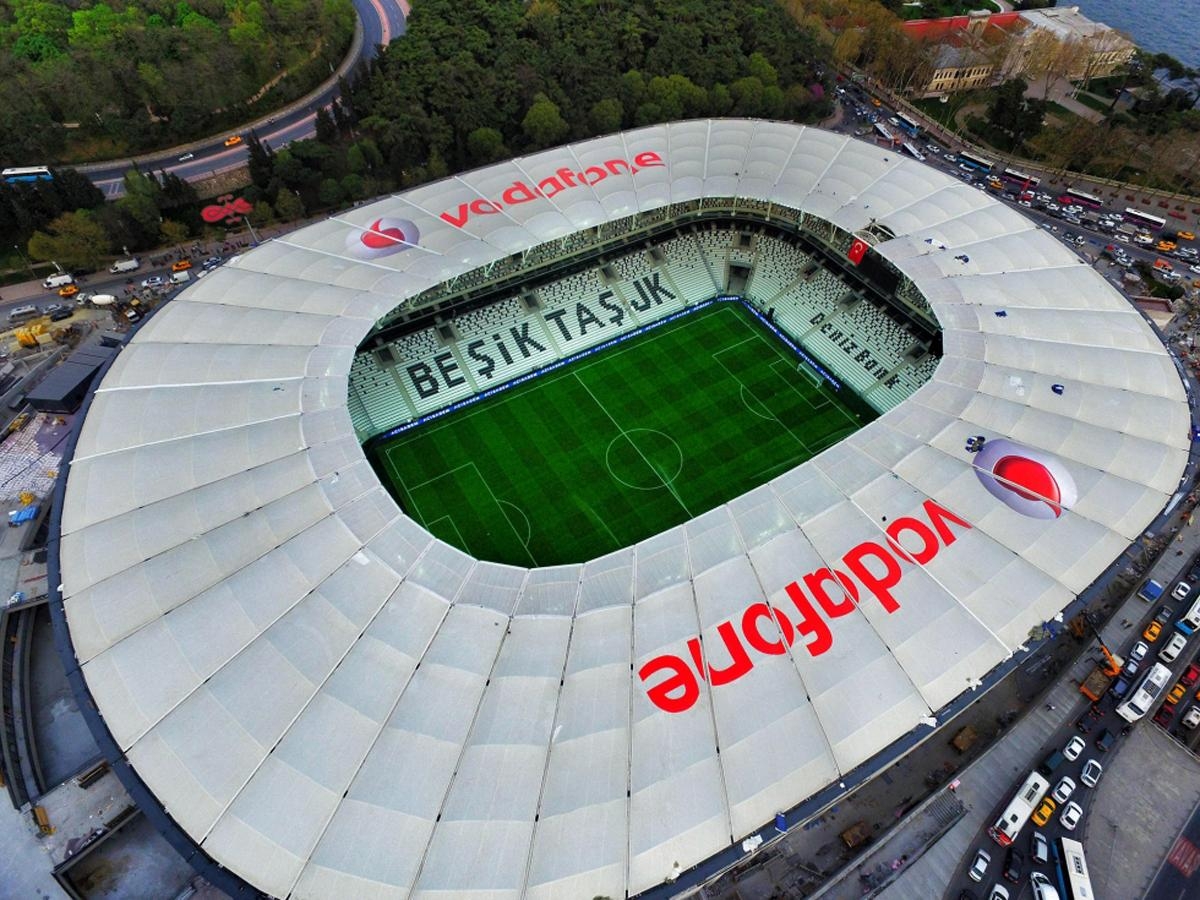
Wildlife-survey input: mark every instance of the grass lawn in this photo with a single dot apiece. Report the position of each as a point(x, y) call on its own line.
point(618, 446)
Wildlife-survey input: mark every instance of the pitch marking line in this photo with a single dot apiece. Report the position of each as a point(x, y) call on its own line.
point(771, 415)
point(462, 542)
point(500, 504)
point(668, 485)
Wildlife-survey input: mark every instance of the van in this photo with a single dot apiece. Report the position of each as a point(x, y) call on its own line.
point(59, 279)
point(1170, 652)
point(1190, 620)
point(125, 265)
point(181, 277)
point(1050, 763)
point(23, 313)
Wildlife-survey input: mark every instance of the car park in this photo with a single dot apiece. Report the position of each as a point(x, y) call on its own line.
point(1071, 815)
point(1191, 718)
point(1181, 590)
point(1039, 848)
point(979, 865)
point(1091, 773)
point(1170, 652)
point(1153, 630)
point(1014, 865)
point(1064, 789)
point(1074, 747)
point(1045, 810)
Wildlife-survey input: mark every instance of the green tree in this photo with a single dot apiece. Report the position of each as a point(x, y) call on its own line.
point(75, 240)
point(173, 232)
point(1013, 113)
point(289, 206)
point(544, 125)
point(605, 116)
point(327, 130)
point(330, 192)
point(485, 145)
point(261, 161)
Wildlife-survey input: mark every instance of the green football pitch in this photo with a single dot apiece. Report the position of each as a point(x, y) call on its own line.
point(617, 446)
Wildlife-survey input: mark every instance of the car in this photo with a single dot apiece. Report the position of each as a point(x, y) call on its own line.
point(999, 892)
point(1170, 652)
point(233, 140)
point(185, 157)
point(1181, 590)
point(1084, 724)
point(1162, 615)
point(1165, 714)
point(1153, 630)
point(68, 290)
point(1138, 651)
point(979, 865)
point(1187, 235)
point(154, 281)
point(1190, 675)
point(1176, 693)
point(1091, 773)
point(1043, 888)
point(1195, 269)
point(1071, 815)
point(1191, 718)
point(1132, 667)
point(1064, 789)
point(967, 894)
point(181, 265)
point(64, 312)
point(1014, 864)
point(1024, 203)
point(1074, 747)
point(1053, 207)
point(1121, 686)
point(1104, 740)
point(211, 263)
point(1039, 848)
point(1045, 810)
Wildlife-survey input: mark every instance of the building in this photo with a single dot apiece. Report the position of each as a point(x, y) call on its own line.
point(966, 52)
point(1092, 49)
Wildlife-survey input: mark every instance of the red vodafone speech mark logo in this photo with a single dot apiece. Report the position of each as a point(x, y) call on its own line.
point(382, 237)
point(1028, 481)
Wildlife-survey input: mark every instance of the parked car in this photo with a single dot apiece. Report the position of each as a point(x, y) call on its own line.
point(1091, 773)
point(979, 865)
point(1192, 717)
point(1163, 615)
point(1039, 848)
point(999, 892)
point(1074, 747)
point(1104, 740)
point(1045, 810)
point(1014, 864)
point(154, 281)
point(1043, 889)
point(1170, 652)
point(1176, 693)
point(1181, 590)
point(1138, 651)
point(1165, 714)
point(1064, 789)
point(1153, 630)
point(1071, 815)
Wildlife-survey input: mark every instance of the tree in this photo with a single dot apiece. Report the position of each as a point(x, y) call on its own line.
point(327, 130)
point(544, 125)
point(75, 240)
point(485, 145)
point(1015, 114)
point(261, 160)
point(173, 232)
point(289, 206)
point(605, 116)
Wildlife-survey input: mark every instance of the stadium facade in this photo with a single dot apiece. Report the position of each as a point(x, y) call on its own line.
point(322, 699)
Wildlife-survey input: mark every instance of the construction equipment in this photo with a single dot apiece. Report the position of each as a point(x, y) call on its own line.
point(1101, 678)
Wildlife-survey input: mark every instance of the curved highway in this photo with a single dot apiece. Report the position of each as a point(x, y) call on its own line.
point(382, 20)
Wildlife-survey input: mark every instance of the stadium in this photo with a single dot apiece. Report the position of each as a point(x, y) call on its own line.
point(547, 530)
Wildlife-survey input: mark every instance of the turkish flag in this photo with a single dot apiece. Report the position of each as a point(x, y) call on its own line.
point(857, 251)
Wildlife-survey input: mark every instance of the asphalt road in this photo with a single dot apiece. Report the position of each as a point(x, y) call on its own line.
point(383, 21)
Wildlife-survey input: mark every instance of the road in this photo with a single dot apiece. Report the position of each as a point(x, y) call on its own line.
point(383, 21)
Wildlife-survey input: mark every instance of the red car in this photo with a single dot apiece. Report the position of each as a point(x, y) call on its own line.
point(1165, 713)
point(1191, 675)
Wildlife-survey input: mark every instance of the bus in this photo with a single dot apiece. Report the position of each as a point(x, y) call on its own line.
point(886, 133)
point(1073, 868)
point(975, 162)
point(1087, 200)
point(26, 173)
point(913, 151)
point(1013, 819)
point(1020, 179)
point(1137, 217)
point(1147, 692)
point(907, 125)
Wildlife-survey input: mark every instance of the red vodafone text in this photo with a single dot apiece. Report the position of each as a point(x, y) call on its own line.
point(869, 569)
point(564, 178)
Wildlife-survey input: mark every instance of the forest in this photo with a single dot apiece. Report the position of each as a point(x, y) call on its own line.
point(474, 81)
point(97, 80)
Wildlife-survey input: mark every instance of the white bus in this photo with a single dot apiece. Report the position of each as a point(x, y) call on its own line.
point(1147, 692)
point(913, 151)
point(1013, 819)
point(1075, 871)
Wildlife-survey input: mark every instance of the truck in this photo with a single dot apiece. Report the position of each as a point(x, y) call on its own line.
point(59, 279)
point(1151, 591)
point(125, 265)
point(1098, 682)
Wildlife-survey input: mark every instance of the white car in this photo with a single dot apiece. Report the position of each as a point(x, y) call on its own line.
point(1074, 747)
point(999, 892)
point(1192, 717)
point(154, 281)
point(979, 865)
point(1195, 268)
point(1092, 771)
point(1169, 653)
point(187, 156)
point(1181, 590)
point(1139, 650)
point(1064, 789)
point(1071, 816)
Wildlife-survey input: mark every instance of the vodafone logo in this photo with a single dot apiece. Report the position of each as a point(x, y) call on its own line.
point(1028, 481)
point(382, 237)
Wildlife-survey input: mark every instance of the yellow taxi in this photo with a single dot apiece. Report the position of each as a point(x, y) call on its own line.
point(1042, 814)
point(233, 140)
point(1177, 693)
point(875, 101)
point(181, 265)
point(1187, 236)
point(1153, 630)
point(1166, 246)
point(68, 290)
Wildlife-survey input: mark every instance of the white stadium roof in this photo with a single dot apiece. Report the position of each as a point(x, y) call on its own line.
point(332, 703)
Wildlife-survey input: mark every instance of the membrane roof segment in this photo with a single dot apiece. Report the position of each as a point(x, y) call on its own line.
point(332, 703)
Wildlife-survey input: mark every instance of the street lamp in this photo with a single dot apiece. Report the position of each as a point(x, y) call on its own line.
point(26, 259)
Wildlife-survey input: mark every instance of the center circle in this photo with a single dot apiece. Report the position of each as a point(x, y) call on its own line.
point(644, 459)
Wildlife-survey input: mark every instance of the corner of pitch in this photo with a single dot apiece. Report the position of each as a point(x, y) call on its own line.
point(869, 571)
